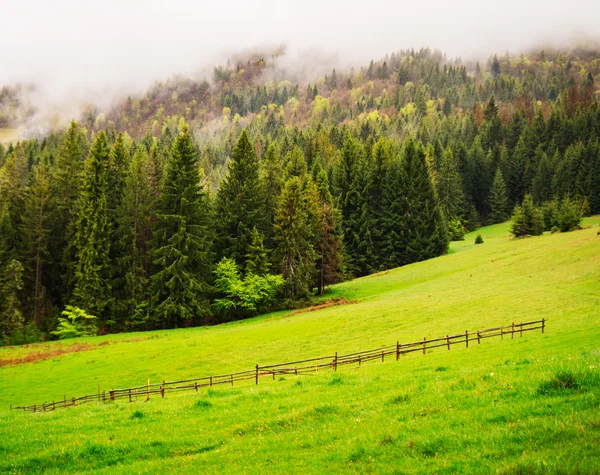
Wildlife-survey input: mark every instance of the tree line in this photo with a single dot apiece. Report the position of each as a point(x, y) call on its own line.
point(150, 231)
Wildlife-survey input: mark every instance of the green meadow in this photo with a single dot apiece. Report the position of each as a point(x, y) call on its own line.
point(525, 405)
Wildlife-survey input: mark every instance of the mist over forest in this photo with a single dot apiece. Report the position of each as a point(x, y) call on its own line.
point(145, 186)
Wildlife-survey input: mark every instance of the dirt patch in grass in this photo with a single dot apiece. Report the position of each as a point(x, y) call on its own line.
point(326, 304)
point(35, 356)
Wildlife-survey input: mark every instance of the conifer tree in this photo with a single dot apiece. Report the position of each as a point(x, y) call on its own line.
point(450, 188)
point(527, 219)
point(134, 233)
point(271, 179)
point(425, 227)
point(294, 239)
point(498, 199)
point(257, 261)
point(239, 203)
point(66, 183)
point(92, 279)
point(37, 228)
point(381, 157)
point(11, 317)
point(395, 206)
point(328, 235)
point(350, 184)
point(181, 241)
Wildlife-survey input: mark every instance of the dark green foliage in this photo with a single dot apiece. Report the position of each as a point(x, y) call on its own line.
point(527, 219)
point(478, 239)
point(92, 278)
point(181, 241)
point(498, 199)
point(450, 188)
point(294, 239)
point(240, 203)
point(569, 215)
point(134, 234)
point(257, 260)
point(11, 316)
point(425, 228)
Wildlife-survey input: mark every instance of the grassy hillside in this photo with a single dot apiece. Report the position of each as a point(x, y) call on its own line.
point(528, 404)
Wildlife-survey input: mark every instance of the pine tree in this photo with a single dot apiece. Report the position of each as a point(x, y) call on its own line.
point(66, 183)
point(271, 179)
point(92, 279)
point(450, 191)
point(498, 199)
point(381, 157)
point(328, 236)
point(240, 203)
point(394, 206)
point(294, 239)
point(134, 233)
point(11, 317)
point(257, 261)
point(350, 184)
point(425, 227)
point(36, 228)
point(182, 241)
point(541, 187)
point(527, 219)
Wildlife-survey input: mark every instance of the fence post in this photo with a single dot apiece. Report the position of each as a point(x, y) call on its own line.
point(162, 389)
point(467, 337)
point(231, 377)
point(543, 324)
point(112, 394)
point(211, 380)
point(502, 332)
point(148, 390)
point(397, 350)
point(521, 329)
point(129, 395)
point(512, 333)
point(424, 344)
point(256, 373)
point(448, 341)
point(382, 356)
point(478, 338)
point(335, 362)
point(196, 386)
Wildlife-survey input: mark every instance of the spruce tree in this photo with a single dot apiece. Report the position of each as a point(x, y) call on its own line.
point(92, 278)
point(450, 191)
point(134, 233)
point(328, 240)
point(271, 179)
point(425, 227)
point(239, 203)
point(498, 199)
point(36, 229)
point(294, 239)
point(394, 207)
point(11, 317)
point(350, 180)
point(257, 260)
point(66, 184)
point(181, 241)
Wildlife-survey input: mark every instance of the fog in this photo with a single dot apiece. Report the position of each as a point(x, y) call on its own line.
point(76, 49)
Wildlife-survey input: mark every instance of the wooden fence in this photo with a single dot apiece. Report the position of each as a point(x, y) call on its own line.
point(312, 365)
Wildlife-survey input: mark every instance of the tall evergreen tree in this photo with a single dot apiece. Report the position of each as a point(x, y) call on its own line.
point(425, 227)
point(134, 233)
point(92, 279)
point(294, 239)
point(11, 316)
point(37, 228)
point(239, 203)
point(271, 178)
point(450, 191)
point(257, 260)
point(328, 236)
point(182, 241)
point(498, 199)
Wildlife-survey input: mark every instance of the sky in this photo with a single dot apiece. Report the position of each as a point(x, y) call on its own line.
point(72, 47)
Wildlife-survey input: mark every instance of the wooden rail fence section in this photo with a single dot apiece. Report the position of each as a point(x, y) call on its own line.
point(312, 365)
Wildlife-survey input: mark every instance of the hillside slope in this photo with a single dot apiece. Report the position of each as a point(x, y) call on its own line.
point(523, 404)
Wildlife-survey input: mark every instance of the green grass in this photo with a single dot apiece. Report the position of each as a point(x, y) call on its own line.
point(528, 405)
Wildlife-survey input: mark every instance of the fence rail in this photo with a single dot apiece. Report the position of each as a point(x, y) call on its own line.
point(306, 366)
